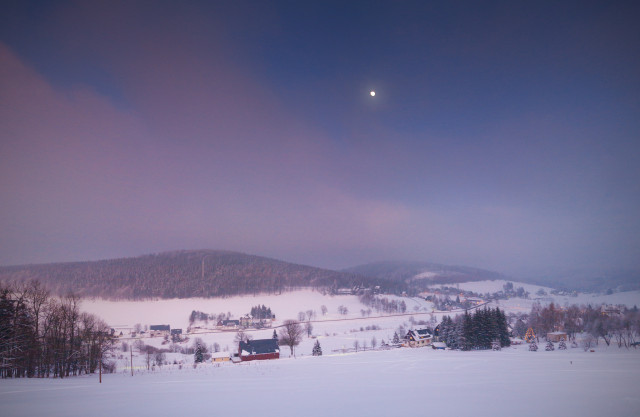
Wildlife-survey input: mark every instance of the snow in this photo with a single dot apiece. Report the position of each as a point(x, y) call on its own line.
point(425, 275)
point(175, 312)
point(335, 332)
point(510, 382)
point(483, 287)
point(628, 298)
point(513, 381)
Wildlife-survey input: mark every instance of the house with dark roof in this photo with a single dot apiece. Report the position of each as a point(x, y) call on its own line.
point(419, 337)
point(228, 324)
point(260, 349)
point(159, 330)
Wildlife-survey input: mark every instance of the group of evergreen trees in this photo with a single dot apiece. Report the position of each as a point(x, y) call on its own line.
point(42, 336)
point(477, 331)
point(261, 312)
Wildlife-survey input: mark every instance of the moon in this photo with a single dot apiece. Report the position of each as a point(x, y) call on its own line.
point(373, 93)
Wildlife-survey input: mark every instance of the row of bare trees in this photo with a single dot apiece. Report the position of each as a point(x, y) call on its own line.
point(45, 336)
point(621, 327)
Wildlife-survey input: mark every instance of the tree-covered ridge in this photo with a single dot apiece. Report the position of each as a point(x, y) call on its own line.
point(183, 274)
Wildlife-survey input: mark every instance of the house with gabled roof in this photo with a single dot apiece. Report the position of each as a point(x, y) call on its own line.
point(159, 330)
point(419, 337)
point(228, 324)
point(260, 349)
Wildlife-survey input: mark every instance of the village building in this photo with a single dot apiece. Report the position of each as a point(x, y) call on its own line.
point(610, 310)
point(556, 336)
point(260, 349)
point(228, 324)
point(217, 357)
point(418, 337)
point(474, 301)
point(159, 330)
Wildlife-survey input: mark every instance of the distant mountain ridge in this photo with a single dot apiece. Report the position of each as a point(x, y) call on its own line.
point(179, 274)
point(422, 274)
point(419, 275)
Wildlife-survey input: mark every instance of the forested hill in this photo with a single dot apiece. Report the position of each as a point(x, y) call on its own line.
point(179, 275)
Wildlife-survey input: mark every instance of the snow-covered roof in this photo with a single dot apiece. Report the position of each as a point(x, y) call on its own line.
point(419, 334)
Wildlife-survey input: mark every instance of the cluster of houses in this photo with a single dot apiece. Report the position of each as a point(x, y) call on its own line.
point(245, 322)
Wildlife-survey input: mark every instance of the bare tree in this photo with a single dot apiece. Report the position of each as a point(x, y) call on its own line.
point(290, 334)
point(308, 328)
point(374, 342)
point(356, 345)
point(310, 314)
point(148, 355)
point(160, 357)
point(241, 336)
point(324, 310)
point(301, 316)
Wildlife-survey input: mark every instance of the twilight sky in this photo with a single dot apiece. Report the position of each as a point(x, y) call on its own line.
point(503, 135)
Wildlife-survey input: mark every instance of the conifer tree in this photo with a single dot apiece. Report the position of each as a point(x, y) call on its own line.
point(549, 346)
point(396, 338)
point(198, 356)
point(503, 328)
point(530, 336)
point(317, 350)
point(562, 345)
point(465, 337)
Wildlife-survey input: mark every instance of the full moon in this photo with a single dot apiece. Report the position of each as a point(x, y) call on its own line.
point(373, 93)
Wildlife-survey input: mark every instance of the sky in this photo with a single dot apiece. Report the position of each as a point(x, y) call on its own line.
point(503, 135)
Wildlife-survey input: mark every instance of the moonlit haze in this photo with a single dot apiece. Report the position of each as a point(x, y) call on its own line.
point(502, 135)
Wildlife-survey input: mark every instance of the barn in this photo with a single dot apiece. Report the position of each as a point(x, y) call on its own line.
point(260, 349)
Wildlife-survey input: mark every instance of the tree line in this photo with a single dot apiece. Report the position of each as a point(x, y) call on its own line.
point(45, 336)
point(382, 304)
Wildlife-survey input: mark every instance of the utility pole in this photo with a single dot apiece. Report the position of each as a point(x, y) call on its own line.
point(100, 364)
point(131, 350)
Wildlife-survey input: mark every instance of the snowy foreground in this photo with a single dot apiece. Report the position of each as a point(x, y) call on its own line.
point(512, 382)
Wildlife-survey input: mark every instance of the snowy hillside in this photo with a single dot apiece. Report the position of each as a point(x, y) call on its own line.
point(628, 298)
point(285, 306)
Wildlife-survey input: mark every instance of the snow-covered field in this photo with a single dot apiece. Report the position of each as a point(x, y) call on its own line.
point(175, 312)
point(421, 381)
point(333, 331)
point(417, 382)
